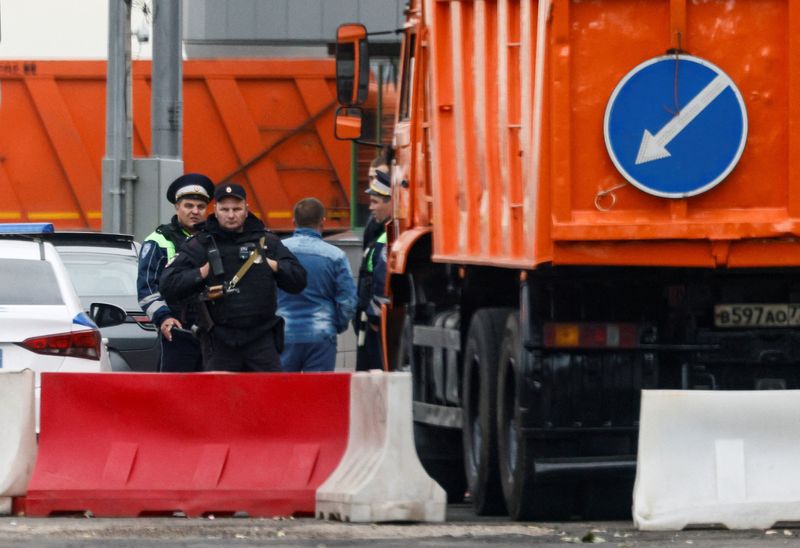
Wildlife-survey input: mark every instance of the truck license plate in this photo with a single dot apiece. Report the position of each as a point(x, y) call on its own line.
point(756, 315)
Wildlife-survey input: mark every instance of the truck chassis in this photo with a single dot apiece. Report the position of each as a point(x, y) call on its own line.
point(545, 429)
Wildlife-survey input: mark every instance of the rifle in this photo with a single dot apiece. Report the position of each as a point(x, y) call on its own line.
point(214, 292)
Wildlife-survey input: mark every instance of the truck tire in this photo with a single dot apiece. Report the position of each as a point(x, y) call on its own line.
point(525, 498)
point(479, 394)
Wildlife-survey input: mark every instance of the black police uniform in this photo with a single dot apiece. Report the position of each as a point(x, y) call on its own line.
point(364, 359)
point(368, 354)
point(246, 333)
point(183, 353)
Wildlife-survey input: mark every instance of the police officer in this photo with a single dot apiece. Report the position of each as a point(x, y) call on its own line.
point(235, 264)
point(180, 352)
point(370, 280)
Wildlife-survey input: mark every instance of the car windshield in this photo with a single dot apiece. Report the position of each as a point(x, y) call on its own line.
point(101, 274)
point(25, 281)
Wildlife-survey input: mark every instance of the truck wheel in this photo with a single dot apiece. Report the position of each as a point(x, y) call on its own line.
point(524, 497)
point(480, 409)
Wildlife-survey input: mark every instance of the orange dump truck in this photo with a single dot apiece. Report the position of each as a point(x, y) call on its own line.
point(265, 124)
point(591, 199)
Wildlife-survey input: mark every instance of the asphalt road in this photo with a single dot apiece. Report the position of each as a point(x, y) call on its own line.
point(463, 528)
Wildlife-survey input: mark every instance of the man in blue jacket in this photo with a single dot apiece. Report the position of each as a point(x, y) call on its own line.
point(326, 306)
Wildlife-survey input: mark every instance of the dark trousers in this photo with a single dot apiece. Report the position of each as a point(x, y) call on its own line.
point(361, 350)
point(180, 355)
point(373, 352)
point(362, 359)
point(368, 354)
point(257, 355)
point(312, 356)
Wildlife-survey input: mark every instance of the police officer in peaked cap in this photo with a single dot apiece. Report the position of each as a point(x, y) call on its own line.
point(234, 266)
point(372, 272)
point(180, 351)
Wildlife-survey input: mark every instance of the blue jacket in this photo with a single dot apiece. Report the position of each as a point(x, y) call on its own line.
point(328, 302)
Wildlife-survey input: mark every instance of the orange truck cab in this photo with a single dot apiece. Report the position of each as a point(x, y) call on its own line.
point(590, 199)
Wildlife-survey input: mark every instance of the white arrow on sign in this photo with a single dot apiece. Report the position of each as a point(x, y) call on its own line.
point(653, 146)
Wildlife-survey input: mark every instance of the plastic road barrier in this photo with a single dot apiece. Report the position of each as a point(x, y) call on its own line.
point(380, 477)
point(718, 457)
point(17, 434)
point(131, 444)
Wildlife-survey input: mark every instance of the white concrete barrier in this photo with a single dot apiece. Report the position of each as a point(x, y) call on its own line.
point(718, 457)
point(17, 435)
point(380, 477)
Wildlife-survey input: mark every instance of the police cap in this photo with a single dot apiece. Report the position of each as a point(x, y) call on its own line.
point(380, 185)
point(191, 185)
point(225, 190)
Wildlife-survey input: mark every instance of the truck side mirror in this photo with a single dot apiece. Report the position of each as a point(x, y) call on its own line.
point(348, 123)
point(352, 64)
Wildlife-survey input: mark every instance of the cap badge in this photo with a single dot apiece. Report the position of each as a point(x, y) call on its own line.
point(228, 189)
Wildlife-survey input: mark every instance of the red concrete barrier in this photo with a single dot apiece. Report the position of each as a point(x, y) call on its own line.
point(131, 444)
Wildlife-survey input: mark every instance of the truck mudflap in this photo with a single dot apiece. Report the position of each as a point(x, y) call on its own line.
point(584, 390)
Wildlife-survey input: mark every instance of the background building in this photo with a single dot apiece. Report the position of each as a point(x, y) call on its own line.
point(281, 28)
point(77, 29)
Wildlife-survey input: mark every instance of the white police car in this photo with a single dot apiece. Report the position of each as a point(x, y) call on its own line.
point(42, 324)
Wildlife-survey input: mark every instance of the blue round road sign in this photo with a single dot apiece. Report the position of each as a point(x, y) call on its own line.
point(675, 126)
